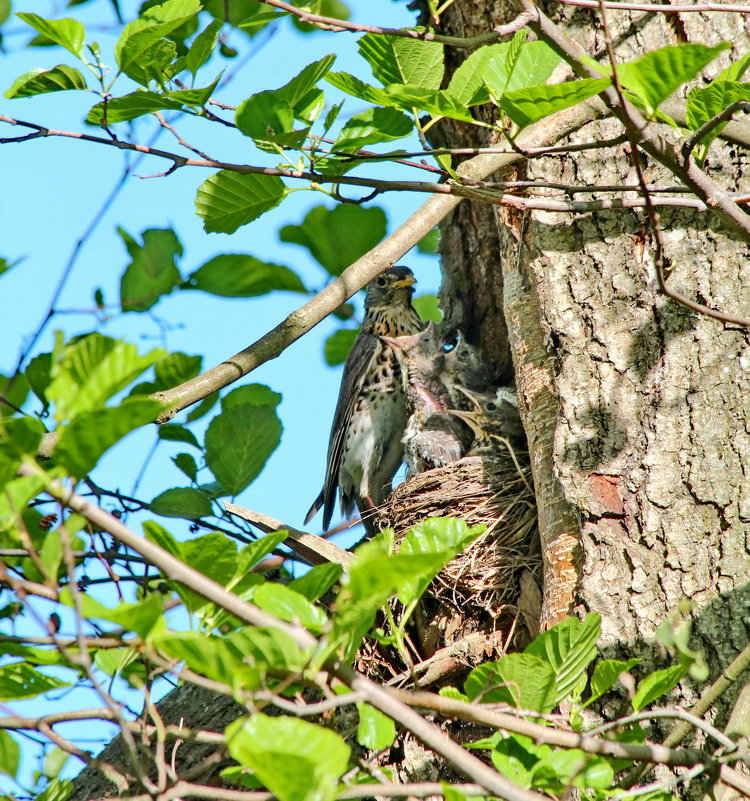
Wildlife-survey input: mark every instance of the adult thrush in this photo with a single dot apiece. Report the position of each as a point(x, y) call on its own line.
point(364, 449)
point(433, 437)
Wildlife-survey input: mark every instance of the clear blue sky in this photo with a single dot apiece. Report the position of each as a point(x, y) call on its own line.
point(52, 188)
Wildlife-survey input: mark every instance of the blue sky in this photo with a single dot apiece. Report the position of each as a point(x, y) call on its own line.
point(53, 188)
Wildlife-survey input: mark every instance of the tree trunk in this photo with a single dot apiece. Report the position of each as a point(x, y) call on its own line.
point(636, 408)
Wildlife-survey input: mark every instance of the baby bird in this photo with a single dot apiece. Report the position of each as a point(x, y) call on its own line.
point(464, 366)
point(433, 437)
point(494, 419)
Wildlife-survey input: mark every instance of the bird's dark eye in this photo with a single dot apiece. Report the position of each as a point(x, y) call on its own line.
point(463, 353)
point(380, 281)
point(491, 406)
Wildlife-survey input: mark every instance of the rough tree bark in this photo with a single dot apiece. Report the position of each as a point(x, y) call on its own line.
point(636, 408)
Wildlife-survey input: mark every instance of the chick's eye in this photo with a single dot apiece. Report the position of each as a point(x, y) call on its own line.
point(491, 406)
point(380, 281)
point(463, 353)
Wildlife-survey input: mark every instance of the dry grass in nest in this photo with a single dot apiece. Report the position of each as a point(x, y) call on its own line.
point(483, 602)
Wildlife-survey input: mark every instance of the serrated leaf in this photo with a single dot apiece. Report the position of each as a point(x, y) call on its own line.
point(69, 33)
point(238, 275)
point(20, 680)
point(300, 86)
point(656, 684)
point(704, 104)
point(371, 127)
point(337, 237)
point(239, 442)
point(522, 680)
point(227, 200)
point(525, 106)
point(10, 754)
point(153, 271)
point(569, 647)
point(295, 760)
point(374, 730)
point(534, 64)
point(336, 348)
point(209, 656)
point(83, 442)
point(654, 76)
point(202, 47)
point(286, 604)
point(467, 81)
point(182, 502)
point(401, 60)
point(174, 432)
point(38, 81)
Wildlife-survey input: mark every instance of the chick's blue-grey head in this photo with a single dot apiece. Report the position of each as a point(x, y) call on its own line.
point(393, 287)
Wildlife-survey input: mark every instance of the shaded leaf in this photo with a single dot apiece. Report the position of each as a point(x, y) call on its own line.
point(296, 91)
point(656, 684)
point(153, 271)
point(202, 47)
point(264, 116)
point(317, 581)
point(254, 394)
point(174, 432)
point(186, 463)
point(237, 275)
point(336, 348)
point(337, 237)
point(20, 680)
point(182, 502)
point(10, 754)
point(427, 307)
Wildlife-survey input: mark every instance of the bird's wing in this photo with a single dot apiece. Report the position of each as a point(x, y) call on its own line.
point(356, 367)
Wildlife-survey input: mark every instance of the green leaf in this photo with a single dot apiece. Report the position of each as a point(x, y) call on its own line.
point(373, 126)
point(656, 684)
point(182, 502)
point(253, 552)
point(197, 97)
point(69, 33)
point(427, 307)
point(436, 102)
point(238, 443)
point(353, 86)
point(142, 617)
point(264, 116)
point(442, 538)
point(39, 81)
point(338, 237)
point(735, 70)
point(202, 47)
point(430, 243)
point(209, 656)
point(467, 82)
point(534, 64)
point(522, 680)
point(704, 104)
point(295, 760)
point(17, 393)
point(39, 374)
point(84, 441)
point(93, 369)
point(317, 581)
point(6, 265)
point(525, 106)
point(133, 50)
point(606, 674)
point(401, 60)
point(657, 74)
point(515, 756)
point(267, 646)
point(54, 760)
point(10, 754)
point(336, 348)
point(153, 271)
point(300, 86)
point(56, 790)
point(375, 730)
point(20, 680)
point(173, 432)
point(569, 647)
point(186, 463)
point(175, 368)
point(162, 538)
point(236, 275)
point(286, 604)
point(254, 394)
point(227, 200)
point(128, 107)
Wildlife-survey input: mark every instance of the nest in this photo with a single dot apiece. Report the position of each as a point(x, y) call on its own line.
point(487, 600)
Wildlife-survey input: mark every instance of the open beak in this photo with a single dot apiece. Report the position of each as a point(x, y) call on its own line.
point(402, 342)
point(470, 396)
point(470, 418)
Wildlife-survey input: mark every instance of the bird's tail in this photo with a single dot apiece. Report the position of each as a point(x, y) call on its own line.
point(315, 508)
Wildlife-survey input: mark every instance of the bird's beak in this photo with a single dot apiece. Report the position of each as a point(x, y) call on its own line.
point(402, 342)
point(469, 418)
point(410, 280)
point(468, 394)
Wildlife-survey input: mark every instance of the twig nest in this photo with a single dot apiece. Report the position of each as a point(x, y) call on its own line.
point(487, 600)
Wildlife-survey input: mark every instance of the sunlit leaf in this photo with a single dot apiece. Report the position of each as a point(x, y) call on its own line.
point(400, 60)
point(227, 200)
point(525, 106)
point(38, 81)
point(69, 33)
point(373, 126)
